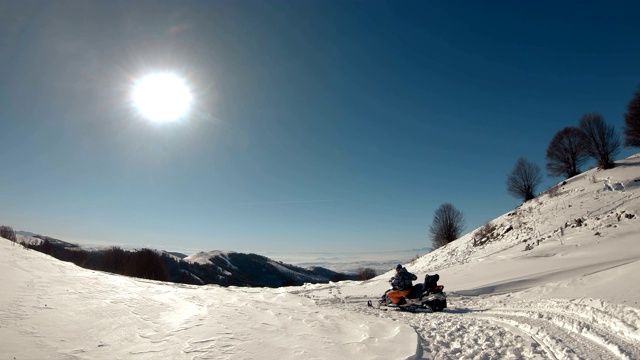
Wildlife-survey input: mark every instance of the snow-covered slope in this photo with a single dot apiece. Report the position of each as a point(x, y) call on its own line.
point(587, 232)
point(55, 310)
point(556, 279)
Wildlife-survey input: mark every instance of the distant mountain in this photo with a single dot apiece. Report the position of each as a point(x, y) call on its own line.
point(36, 239)
point(56, 241)
point(214, 267)
point(239, 269)
point(26, 233)
point(177, 254)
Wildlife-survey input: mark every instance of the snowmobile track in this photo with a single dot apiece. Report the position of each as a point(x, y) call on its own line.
point(570, 330)
point(498, 327)
point(555, 341)
point(566, 329)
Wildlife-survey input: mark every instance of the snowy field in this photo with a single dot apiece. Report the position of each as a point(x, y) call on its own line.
point(573, 294)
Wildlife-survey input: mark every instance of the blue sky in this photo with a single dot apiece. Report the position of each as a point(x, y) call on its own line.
point(316, 125)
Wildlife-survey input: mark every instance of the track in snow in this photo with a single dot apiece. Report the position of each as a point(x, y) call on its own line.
point(491, 327)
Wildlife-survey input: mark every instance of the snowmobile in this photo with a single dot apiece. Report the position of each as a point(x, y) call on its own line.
point(426, 297)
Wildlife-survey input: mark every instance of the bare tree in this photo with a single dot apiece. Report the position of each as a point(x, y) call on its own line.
point(566, 152)
point(602, 141)
point(632, 122)
point(8, 233)
point(447, 226)
point(524, 179)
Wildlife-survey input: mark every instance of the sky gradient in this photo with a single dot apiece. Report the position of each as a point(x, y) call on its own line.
point(316, 125)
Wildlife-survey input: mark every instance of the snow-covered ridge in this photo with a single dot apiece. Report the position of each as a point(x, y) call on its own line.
point(226, 268)
point(596, 201)
point(260, 269)
point(203, 257)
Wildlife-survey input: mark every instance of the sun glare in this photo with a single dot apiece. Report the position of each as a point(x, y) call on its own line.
point(162, 97)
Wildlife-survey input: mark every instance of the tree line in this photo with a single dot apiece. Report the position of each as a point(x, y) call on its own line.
point(569, 149)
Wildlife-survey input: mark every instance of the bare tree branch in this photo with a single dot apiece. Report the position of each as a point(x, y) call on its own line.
point(566, 152)
point(447, 226)
point(524, 179)
point(603, 143)
point(8, 233)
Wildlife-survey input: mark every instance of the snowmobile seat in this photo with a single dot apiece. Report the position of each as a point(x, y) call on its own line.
point(430, 282)
point(416, 291)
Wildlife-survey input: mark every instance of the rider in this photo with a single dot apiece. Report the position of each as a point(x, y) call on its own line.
point(401, 284)
point(403, 279)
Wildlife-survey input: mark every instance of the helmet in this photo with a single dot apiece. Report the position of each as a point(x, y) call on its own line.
point(398, 267)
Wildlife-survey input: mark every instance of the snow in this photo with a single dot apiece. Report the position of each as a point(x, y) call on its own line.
point(560, 284)
point(203, 257)
point(53, 309)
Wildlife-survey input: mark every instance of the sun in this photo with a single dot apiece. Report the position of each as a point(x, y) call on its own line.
point(162, 97)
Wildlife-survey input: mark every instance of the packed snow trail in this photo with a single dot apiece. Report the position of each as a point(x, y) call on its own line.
point(500, 326)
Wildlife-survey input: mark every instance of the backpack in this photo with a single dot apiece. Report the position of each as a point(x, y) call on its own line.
point(431, 281)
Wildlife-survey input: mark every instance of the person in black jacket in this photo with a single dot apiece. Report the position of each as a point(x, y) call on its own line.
point(401, 283)
point(403, 280)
